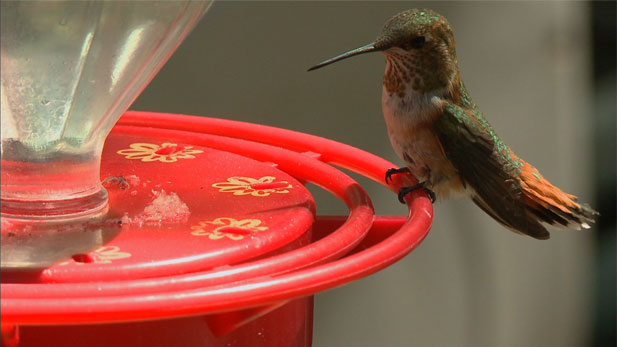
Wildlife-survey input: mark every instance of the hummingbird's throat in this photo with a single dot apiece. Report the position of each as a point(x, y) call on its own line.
point(429, 72)
point(401, 77)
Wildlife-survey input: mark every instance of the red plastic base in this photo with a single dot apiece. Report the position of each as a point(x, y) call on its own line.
point(286, 326)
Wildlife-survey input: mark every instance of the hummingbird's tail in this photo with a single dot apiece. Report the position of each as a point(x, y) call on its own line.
point(551, 205)
point(534, 202)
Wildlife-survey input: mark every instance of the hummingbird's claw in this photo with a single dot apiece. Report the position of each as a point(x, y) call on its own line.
point(394, 171)
point(406, 190)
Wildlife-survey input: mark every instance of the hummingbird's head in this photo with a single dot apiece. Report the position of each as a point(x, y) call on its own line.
point(420, 52)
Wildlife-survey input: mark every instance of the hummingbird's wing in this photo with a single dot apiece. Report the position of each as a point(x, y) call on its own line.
point(488, 166)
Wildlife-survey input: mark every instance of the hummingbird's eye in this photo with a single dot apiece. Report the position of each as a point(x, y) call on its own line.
point(417, 42)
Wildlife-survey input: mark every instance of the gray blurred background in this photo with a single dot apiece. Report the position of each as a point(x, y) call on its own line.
point(532, 67)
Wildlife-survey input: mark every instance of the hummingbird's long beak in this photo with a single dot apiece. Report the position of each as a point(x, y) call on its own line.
point(361, 50)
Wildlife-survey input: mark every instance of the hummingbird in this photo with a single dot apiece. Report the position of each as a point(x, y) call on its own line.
point(444, 140)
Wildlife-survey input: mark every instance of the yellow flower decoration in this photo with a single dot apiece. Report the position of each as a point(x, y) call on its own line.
point(101, 255)
point(106, 254)
point(253, 186)
point(227, 227)
point(166, 152)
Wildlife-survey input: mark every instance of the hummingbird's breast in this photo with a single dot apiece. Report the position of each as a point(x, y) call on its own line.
point(409, 120)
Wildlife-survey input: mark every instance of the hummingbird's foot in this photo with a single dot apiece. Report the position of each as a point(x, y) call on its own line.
point(406, 190)
point(395, 171)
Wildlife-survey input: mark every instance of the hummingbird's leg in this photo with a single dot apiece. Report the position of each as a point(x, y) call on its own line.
point(406, 190)
point(394, 171)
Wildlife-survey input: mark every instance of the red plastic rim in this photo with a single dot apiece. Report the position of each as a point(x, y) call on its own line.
point(302, 272)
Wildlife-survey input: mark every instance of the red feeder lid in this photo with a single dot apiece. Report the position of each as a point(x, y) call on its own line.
point(186, 208)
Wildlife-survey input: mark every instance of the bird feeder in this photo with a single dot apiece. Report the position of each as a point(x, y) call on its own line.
point(167, 230)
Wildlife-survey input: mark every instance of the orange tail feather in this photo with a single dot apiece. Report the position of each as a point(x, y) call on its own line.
point(550, 204)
